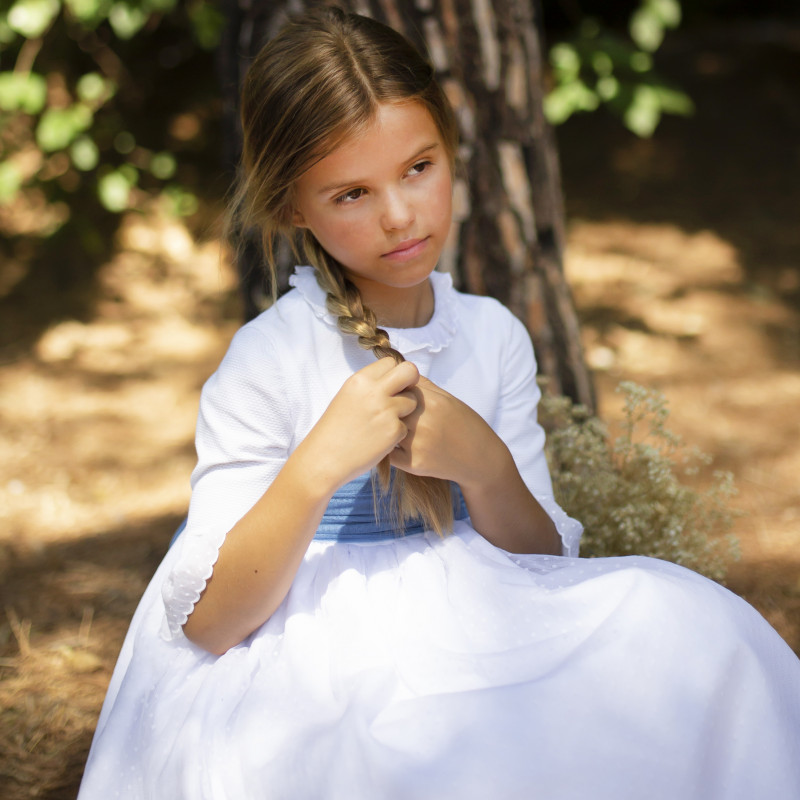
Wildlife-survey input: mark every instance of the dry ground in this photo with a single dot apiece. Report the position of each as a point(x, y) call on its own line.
point(683, 255)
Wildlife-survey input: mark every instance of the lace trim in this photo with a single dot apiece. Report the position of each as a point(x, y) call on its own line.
point(569, 529)
point(433, 337)
point(186, 583)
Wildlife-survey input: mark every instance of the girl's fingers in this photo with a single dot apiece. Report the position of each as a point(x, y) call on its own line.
point(390, 376)
point(378, 368)
point(405, 403)
point(400, 458)
point(401, 377)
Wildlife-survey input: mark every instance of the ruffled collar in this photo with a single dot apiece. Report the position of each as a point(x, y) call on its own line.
point(433, 337)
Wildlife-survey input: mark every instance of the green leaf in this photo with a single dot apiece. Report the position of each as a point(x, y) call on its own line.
point(644, 113)
point(180, 201)
point(207, 24)
point(124, 142)
point(7, 35)
point(668, 11)
point(161, 6)
point(94, 88)
point(10, 181)
point(130, 173)
point(22, 91)
point(58, 127)
point(31, 18)
point(84, 153)
point(163, 166)
point(565, 61)
point(126, 20)
point(114, 190)
point(568, 98)
point(646, 29)
point(88, 12)
point(589, 28)
point(602, 63)
point(674, 101)
point(641, 62)
point(608, 87)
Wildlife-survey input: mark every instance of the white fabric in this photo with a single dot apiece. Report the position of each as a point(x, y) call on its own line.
point(425, 667)
point(280, 375)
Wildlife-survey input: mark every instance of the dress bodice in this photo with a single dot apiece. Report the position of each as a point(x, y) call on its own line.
point(357, 513)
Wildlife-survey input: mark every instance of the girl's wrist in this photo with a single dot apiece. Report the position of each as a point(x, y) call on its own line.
point(320, 476)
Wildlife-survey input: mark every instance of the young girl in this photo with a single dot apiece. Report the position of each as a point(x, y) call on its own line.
point(312, 634)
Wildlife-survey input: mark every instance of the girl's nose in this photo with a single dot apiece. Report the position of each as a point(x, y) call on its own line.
point(398, 212)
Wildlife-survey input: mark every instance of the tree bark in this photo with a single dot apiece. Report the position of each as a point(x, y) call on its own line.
point(509, 214)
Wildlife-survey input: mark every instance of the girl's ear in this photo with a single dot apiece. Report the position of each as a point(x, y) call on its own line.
point(298, 220)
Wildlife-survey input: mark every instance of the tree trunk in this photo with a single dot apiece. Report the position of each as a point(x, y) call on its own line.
point(508, 203)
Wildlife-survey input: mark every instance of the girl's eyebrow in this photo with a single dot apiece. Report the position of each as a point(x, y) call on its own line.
point(335, 187)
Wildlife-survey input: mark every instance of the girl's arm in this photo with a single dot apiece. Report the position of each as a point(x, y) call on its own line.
point(262, 552)
point(447, 439)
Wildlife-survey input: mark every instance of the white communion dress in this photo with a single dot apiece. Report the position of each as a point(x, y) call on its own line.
point(409, 667)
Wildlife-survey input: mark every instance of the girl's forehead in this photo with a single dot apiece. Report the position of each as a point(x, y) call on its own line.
point(395, 133)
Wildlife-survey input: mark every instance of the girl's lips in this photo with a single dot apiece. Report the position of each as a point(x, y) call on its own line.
point(407, 250)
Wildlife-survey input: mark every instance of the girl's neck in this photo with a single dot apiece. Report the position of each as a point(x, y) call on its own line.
point(398, 307)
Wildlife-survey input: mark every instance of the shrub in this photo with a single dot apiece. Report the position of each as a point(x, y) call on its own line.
point(629, 493)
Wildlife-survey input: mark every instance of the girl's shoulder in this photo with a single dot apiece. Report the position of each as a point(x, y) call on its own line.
point(486, 320)
point(486, 307)
point(259, 347)
point(278, 324)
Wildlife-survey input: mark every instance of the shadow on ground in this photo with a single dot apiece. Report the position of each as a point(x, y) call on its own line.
point(731, 168)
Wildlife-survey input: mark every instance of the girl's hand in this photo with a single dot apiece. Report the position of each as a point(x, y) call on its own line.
point(447, 439)
point(364, 421)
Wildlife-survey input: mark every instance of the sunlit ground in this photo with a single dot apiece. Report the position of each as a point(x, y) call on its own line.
point(99, 422)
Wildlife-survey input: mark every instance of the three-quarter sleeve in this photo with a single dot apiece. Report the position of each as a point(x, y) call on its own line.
point(517, 424)
point(244, 436)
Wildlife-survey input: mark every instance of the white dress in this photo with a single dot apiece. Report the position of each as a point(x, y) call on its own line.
point(417, 667)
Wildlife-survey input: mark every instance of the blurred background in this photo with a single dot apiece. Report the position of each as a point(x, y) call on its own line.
point(117, 299)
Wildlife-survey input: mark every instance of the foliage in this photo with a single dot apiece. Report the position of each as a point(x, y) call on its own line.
point(68, 123)
point(599, 67)
point(628, 493)
point(65, 115)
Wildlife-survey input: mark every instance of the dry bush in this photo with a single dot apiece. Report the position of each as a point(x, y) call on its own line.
point(629, 493)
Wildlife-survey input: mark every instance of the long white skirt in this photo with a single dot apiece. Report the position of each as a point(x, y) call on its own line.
point(424, 668)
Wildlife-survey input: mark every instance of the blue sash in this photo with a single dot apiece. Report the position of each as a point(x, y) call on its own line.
point(350, 515)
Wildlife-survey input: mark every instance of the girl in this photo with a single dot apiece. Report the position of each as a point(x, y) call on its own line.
point(310, 636)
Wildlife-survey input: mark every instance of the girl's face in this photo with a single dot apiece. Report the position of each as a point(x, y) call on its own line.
point(381, 202)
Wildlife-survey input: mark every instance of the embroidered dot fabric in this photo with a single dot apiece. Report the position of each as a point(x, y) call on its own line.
point(413, 666)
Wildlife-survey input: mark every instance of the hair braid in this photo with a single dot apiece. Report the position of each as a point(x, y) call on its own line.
point(412, 496)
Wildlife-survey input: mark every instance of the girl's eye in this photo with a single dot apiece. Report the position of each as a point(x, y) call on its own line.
point(419, 167)
point(348, 197)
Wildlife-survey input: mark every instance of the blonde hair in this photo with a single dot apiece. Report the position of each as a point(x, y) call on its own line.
point(319, 80)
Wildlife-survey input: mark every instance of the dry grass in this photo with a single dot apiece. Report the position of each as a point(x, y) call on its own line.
point(49, 696)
